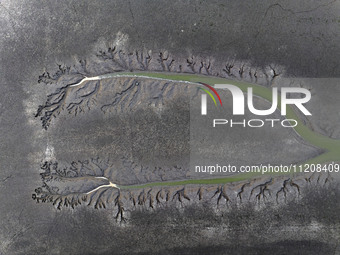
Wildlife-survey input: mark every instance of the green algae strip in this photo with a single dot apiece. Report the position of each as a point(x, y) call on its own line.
point(233, 178)
point(330, 146)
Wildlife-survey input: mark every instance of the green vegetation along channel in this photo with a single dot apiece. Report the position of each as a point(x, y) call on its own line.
point(330, 146)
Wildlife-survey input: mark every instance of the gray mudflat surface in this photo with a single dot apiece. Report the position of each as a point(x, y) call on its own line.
point(250, 41)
